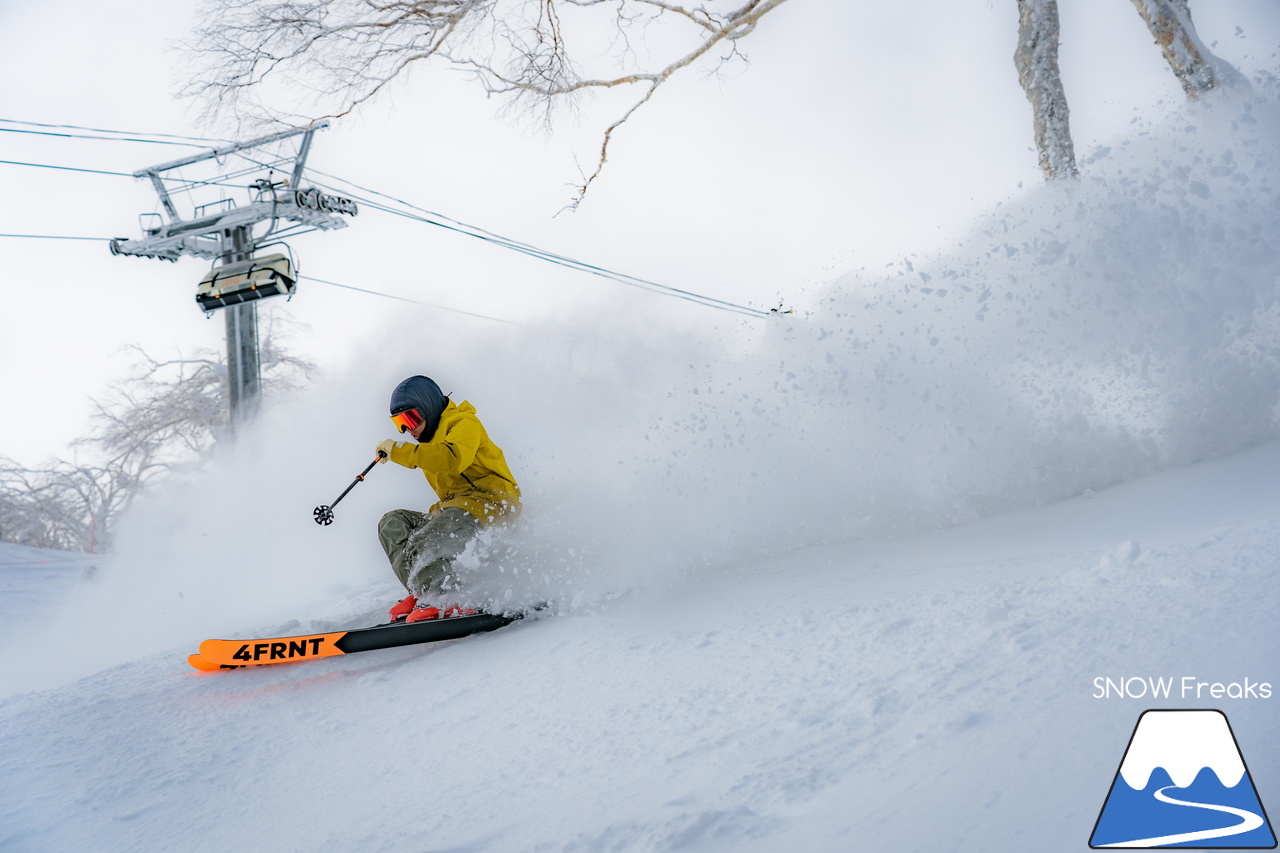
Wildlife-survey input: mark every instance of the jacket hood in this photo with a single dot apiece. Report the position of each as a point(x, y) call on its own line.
point(419, 392)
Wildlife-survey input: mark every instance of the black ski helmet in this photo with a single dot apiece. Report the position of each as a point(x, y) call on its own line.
point(419, 392)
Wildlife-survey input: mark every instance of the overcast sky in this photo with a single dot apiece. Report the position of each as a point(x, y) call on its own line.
point(859, 133)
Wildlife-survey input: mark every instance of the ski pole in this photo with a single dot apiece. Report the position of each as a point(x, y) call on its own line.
point(324, 514)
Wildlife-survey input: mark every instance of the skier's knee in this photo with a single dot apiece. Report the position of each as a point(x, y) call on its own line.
point(391, 520)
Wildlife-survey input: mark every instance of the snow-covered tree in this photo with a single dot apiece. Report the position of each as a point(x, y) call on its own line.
point(166, 416)
point(1037, 62)
point(1196, 68)
point(65, 505)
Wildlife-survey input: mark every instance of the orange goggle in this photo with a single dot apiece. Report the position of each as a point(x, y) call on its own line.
point(408, 420)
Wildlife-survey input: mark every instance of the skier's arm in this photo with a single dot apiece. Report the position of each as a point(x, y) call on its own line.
point(451, 455)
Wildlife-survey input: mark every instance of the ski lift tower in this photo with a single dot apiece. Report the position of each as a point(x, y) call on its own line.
point(223, 231)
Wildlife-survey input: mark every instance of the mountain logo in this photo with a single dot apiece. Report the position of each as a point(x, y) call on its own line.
point(1183, 783)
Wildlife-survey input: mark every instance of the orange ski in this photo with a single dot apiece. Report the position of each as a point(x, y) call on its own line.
point(275, 650)
point(222, 654)
point(205, 665)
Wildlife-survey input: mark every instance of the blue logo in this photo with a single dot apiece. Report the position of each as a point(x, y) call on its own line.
point(1183, 783)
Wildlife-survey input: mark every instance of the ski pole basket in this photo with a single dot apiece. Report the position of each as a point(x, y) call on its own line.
point(245, 281)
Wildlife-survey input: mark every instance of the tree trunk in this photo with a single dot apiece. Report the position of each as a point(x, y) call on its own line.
point(1037, 62)
point(1197, 69)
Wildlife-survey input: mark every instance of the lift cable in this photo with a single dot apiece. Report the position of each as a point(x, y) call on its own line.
point(191, 183)
point(104, 138)
point(440, 221)
point(66, 168)
point(52, 237)
point(197, 141)
point(406, 299)
point(413, 212)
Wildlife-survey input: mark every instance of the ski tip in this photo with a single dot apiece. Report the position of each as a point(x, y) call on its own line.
point(202, 664)
point(205, 665)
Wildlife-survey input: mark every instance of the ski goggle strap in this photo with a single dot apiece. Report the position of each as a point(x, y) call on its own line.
point(409, 419)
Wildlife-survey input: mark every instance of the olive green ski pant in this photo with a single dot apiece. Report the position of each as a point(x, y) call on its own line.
point(422, 546)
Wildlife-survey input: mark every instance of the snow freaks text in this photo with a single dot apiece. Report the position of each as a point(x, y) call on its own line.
point(1185, 687)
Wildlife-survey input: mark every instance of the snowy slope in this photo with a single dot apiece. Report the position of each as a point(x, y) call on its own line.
point(33, 582)
point(933, 693)
point(841, 581)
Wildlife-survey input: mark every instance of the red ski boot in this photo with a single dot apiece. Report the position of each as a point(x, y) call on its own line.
point(420, 613)
point(401, 610)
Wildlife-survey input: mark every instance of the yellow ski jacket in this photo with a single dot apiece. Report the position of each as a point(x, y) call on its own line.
point(464, 467)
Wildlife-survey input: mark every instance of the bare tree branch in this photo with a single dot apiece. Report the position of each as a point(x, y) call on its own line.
point(345, 52)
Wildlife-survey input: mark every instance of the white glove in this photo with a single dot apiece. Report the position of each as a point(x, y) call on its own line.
point(384, 450)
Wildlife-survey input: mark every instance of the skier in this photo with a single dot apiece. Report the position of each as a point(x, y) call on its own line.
point(470, 477)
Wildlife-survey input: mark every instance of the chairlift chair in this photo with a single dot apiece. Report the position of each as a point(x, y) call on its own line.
point(245, 281)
